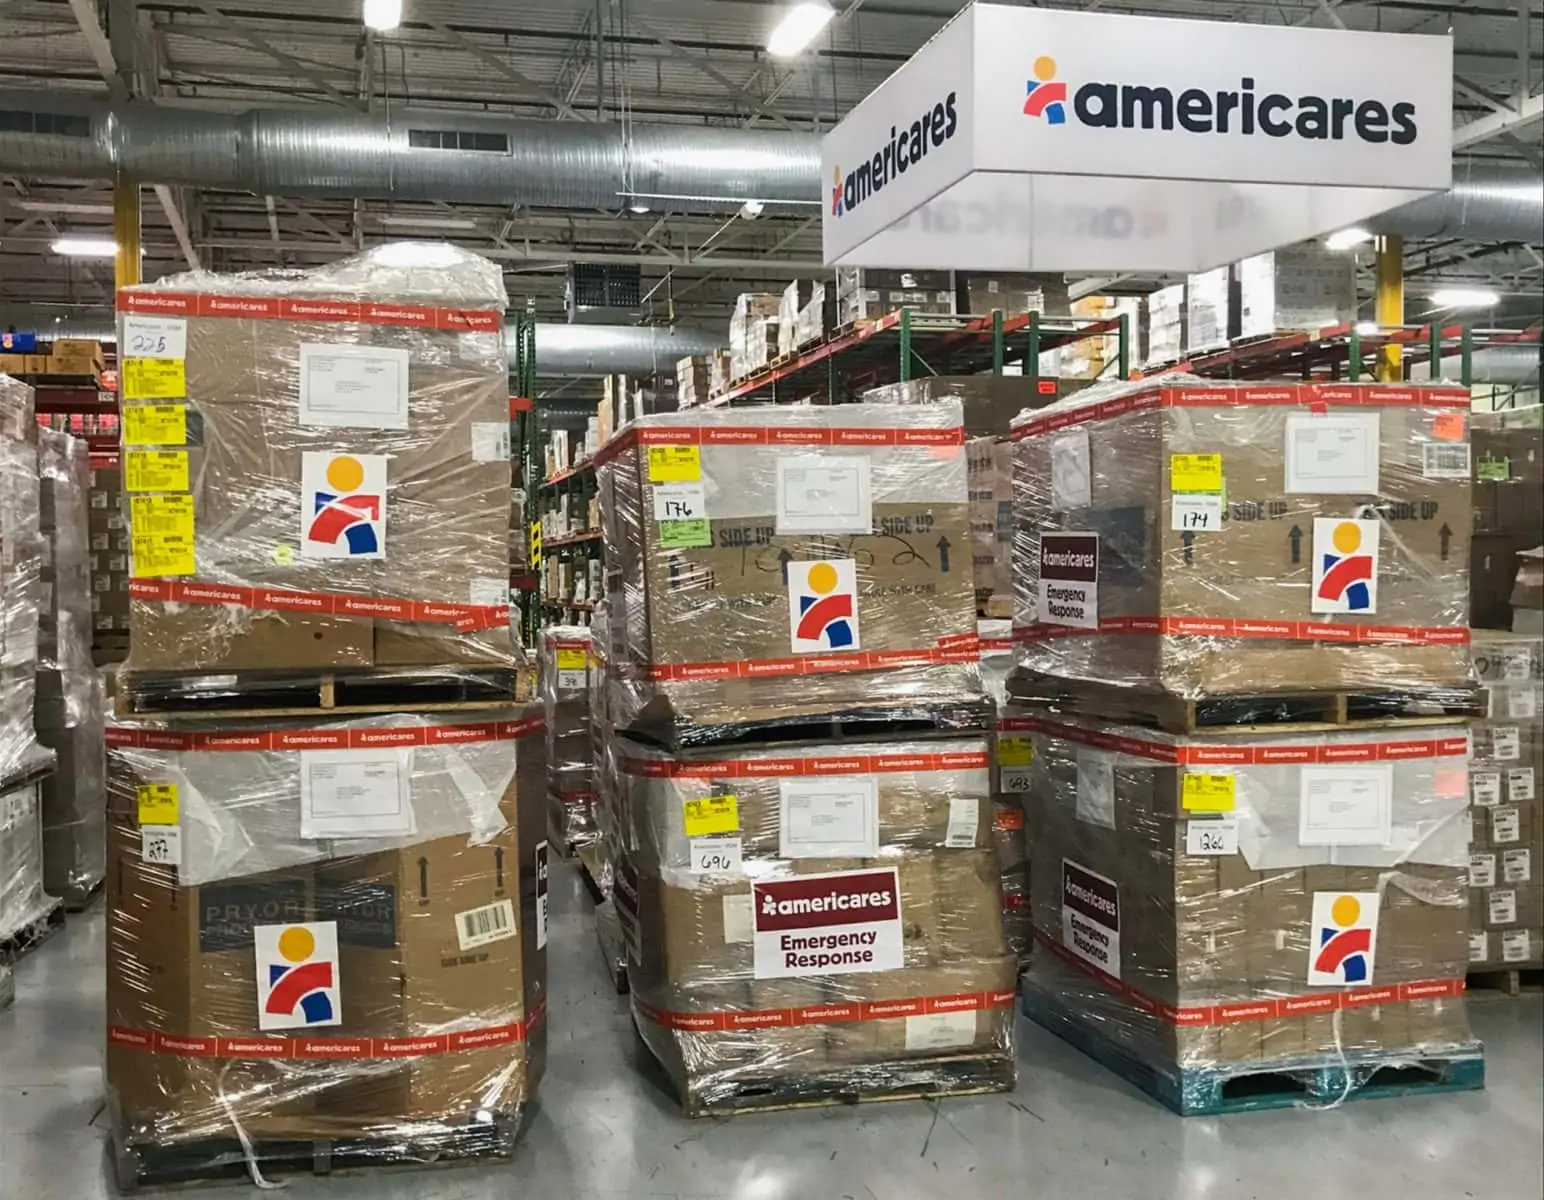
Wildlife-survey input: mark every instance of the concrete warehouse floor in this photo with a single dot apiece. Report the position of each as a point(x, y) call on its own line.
point(602, 1132)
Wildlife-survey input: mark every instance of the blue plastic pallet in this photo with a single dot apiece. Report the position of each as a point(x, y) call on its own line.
point(1283, 1083)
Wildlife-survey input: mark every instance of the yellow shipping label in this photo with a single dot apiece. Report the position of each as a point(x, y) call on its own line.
point(1208, 793)
point(573, 660)
point(157, 803)
point(712, 814)
point(1015, 752)
point(155, 425)
point(161, 516)
point(1195, 472)
point(675, 464)
point(154, 379)
point(155, 470)
point(157, 558)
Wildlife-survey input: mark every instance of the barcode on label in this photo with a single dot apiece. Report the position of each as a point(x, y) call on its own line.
point(1445, 460)
point(491, 923)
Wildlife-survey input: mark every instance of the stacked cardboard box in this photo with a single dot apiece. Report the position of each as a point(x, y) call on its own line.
point(753, 332)
point(863, 294)
point(1165, 325)
point(565, 676)
point(806, 313)
point(1300, 287)
point(1508, 465)
point(1506, 863)
point(1012, 294)
point(694, 380)
point(325, 930)
point(1097, 355)
point(766, 586)
point(108, 530)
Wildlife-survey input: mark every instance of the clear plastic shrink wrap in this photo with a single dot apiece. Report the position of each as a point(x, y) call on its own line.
point(317, 465)
point(322, 931)
point(1209, 902)
point(566, 676)
point(781, 567)
point(1010, 780)
point(811, 919)
point(70, 697)
point(1195, 538)
point(607, 803)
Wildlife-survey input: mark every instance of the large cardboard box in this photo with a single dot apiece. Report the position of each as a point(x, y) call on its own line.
point(341, 436)
point(773, 566)
point(428, 953)
point(1203, 538)
point(1299, 287)
point(1212, 899)
point(22, 553)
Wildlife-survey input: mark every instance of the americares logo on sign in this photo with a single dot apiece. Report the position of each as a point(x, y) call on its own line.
point(1240, 112)
point(834, 924)
point(908, 145)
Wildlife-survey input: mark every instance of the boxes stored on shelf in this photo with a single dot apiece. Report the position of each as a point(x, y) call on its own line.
point(694, 380)
point(751, 344)
point(789, 563)
point(1202, 539)
point(1216, 901)
point(1211, 310)
point(317, 466)
point(812, 918)
point(1165, 325)
point(806, 313)
point(1011, 294)
point(349, 930)
point(1300, 287)
point(863, 293)
point(565, 678)
point(74, 356)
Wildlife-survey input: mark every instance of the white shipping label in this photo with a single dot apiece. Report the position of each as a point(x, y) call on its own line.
point(1346, 805)
point(1482, 870)
point(1517, 865)
point(1479, 947)
point(1345, 565)
point(964, 823)
point(1091, 917)
point(1445, 460)
point(832, 817)
point(1517, 666)
point(490, 441)
point(543, 892)
point(1506, 744)
point(491, 923)
point(354, 387)
point(1211, 839)
point(836, 924)
point(716, 855)
point(1501, 907)
point(1343, 939)
point(298, 984)
point(1013, 780)
point(941, 1031)
point(154, 337)
point(1506, 826)
point(823, 606)
point(355, 794)
point(342, 505)
point(1197, 512)
point(738, 927)
point(161, 845)
point(680, 501)
point(1096, 789)
point(1522, 702)
point(1515, 946)
point(824, 494)
point(1071, 471)
point(1332, 455)
point(1485, 788)
point(1519, 784)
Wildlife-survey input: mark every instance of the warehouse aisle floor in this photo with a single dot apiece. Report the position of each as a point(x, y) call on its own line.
point(603, 1133)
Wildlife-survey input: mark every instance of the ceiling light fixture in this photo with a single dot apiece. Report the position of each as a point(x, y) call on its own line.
point(799, 27)
point(1346, 239)
point(640, 209)
point(752, 209)
point(1465, 297)
point(85, 247)
point(383, 15)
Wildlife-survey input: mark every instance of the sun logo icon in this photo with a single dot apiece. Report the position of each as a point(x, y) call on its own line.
point(837, 207)
point(1045, 95)
point(823, 605)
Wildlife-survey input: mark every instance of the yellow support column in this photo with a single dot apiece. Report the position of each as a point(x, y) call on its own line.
point(126, 233)
point(1389, 305)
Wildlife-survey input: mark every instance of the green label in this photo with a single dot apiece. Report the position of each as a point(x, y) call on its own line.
point(1494, 470)
point(683, 535)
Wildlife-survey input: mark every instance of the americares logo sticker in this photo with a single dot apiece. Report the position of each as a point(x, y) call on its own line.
point(1045, 95)
point(823, 605)
point(342, 505)
point(1345, 935)
point(908, 145)
point(297, 976)
point(831, 924)
point(1345, 565)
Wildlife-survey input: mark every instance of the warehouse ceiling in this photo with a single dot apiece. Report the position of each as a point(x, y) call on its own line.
point(698, 62)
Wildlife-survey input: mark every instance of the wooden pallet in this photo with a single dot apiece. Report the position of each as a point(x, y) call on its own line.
point(223, 696)
point(1524, 979)
point(1272, 712)
point(1302, 1082)
point(23, 941)
point(140, 1165)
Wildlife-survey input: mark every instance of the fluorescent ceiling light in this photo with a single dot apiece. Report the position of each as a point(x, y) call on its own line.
point(638, 208)
point(408, 221)
point(86, 247)
point(383, 15)
point(1462, 297)
point(752, 209)
point(1347, 238)
point(799, 27)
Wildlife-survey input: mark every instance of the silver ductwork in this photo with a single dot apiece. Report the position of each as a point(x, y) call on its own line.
point(591, 350)
point(1483, 205)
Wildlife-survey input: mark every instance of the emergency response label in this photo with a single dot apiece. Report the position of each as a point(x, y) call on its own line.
point(1069, 579)
point(835, 924)
point(1091, 917)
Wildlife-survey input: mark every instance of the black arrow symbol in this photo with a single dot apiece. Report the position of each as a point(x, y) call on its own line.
point(1295, 536)
point(1188, 540)
point(943, 555)
point(498, 867)
point(675, 570)
point(1446, 536)
point(784, 558)
point(423, 878)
